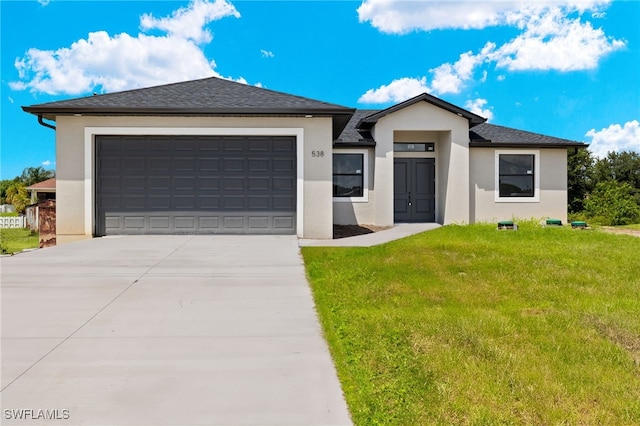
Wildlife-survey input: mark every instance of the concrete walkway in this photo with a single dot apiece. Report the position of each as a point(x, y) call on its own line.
point(398, 231)
point(177, 330)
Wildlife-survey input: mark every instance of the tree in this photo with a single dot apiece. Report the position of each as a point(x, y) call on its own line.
point(622, 167)
point(612, 203)
point(17, 196)
point(580, 175)
point(32, 175)
point(4, 185)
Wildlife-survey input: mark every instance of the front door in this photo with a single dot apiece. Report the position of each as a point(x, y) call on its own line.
point(414, 190)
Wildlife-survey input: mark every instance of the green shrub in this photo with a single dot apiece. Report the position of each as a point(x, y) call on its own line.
point(612, 203)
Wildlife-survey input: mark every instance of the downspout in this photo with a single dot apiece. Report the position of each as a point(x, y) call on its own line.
point(42, 123)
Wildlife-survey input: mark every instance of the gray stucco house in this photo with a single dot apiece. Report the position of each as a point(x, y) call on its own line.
point(215, 156)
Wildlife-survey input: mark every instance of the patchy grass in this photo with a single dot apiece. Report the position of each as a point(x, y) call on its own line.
point(13, 240)
point(469, 325)
point(635, 227)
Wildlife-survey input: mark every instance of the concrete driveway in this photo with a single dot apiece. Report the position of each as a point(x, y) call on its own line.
point(155, 330)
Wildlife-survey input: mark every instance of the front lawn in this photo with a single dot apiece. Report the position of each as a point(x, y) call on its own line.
point(13, 240)
point(470, 325)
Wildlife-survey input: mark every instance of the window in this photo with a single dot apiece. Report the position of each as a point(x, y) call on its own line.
point(350, 175)
point(517, 176)
point(347, 175)
point(414, 147)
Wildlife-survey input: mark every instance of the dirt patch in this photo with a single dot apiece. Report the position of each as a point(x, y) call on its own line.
point(613, 230)
point(344, 231)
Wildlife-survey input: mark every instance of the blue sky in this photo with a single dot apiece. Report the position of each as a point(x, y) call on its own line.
point(566, 68)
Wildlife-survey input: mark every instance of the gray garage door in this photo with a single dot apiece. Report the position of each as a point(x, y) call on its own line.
point(195, 185)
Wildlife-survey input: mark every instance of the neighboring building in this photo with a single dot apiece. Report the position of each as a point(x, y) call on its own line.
point(42, 191)
point(215, 156)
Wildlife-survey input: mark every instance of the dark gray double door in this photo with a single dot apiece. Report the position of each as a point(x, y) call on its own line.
point(414, 190)
point(195, 185)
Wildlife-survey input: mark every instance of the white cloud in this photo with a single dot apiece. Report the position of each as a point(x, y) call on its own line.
point(46, 163)
point(450, 78)
point(124, 61)
point(44, 2)
point(267, 53)
point(548, 39)
point(401, 16)
point(476, 106)
point(396, 91)
point(189, 22)
point(10, 99)
point(615, 138)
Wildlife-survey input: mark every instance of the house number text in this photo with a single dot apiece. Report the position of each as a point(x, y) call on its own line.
point(317, 153)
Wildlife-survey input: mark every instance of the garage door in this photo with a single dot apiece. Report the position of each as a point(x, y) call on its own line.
point(195, 185)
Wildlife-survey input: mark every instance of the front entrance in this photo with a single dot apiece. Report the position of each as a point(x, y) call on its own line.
point(414, 190)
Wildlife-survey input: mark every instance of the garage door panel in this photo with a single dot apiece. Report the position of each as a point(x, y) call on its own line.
point(258, 165)
point(185, 164)
point(160, 164)
point(159, 202)
point(209, 164)
point(233, 202)
point(284, 165)
point(283, 203)
point(233, 183)
point(283, 184)
point(184, 202)
point(211, 202)
point(195, 184)
point(258, 183)
point(232, 165)
point(159, 183)
point(258, 222)
point(259, 202)
point(184, 183)
point(159, 223)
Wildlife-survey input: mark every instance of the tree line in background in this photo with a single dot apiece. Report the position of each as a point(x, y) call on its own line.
point(605, 191)
point(14, 191)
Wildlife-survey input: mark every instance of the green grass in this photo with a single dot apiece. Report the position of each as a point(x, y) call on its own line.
point(469, 325)
point(13, 240)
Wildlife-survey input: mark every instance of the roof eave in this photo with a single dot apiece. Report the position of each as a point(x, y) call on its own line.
point(489, 144)
point(36, 110)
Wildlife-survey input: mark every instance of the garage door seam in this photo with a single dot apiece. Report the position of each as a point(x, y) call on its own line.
point(96, 314)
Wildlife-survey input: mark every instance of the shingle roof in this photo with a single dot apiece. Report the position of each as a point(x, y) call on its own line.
point(482, 135)
point(206, 95)
point(209, 96)
point(45, 184)
point(488, 135)
point(351, 136)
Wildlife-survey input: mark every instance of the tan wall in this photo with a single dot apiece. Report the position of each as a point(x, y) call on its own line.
point(74, 165)
point(552, 193)
point(452, 161)
point(357, 212)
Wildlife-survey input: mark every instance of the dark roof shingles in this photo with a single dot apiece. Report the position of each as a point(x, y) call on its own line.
point(206, 94)
point(489, 134)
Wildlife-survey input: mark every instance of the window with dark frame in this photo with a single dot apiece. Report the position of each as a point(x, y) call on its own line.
point(516, 175)
point(348, 176)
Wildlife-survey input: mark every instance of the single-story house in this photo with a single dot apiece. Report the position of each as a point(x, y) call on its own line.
point(42, 191)
point(216, 156)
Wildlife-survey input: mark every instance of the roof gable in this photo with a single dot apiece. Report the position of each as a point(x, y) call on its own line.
point(474, 119)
